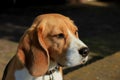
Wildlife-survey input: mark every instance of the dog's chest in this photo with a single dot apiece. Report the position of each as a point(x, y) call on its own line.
point(24, 75)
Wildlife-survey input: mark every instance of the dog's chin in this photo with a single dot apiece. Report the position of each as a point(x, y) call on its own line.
point(72, 64)
point(69, 64)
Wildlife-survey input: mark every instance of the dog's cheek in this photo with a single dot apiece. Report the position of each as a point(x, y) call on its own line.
point(54, 51)
point(59, 46)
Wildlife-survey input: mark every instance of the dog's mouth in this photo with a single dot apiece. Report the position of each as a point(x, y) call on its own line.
point(83, 61)
point(70, 64)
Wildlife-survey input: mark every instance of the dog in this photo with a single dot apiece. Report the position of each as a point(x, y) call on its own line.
point(52, 42)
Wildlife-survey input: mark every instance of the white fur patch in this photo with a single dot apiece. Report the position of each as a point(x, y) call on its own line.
point(24, 75)
point(73, 56)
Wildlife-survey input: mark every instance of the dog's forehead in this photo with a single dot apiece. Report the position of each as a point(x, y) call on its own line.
point(58, 22)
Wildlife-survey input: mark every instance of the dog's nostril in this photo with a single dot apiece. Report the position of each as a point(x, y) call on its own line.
point(84, 51)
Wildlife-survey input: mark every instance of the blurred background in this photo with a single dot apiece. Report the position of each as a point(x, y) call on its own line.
point(26, 3)
point(98, 22)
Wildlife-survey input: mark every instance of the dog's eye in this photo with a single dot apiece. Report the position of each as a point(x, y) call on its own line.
point(76, 32)
point(61, 35)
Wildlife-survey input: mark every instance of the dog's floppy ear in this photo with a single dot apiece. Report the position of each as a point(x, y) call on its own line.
point(32, 51)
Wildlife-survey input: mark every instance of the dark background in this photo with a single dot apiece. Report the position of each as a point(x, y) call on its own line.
point(26, 3)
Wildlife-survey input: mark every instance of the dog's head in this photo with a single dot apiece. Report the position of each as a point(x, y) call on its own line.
point(51, 37)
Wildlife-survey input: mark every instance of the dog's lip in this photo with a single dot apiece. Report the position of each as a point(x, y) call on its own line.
point(69, 64)
point(83, 62)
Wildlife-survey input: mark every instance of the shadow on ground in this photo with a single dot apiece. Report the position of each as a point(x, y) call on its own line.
point(99, 27)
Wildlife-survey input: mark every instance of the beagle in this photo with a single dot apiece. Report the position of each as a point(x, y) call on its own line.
point(50, 43)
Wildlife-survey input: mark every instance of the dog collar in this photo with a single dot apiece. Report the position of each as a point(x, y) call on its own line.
point(52, 71)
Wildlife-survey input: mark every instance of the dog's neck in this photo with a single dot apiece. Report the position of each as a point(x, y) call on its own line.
point(54, 75)
point(52, 65)
point(52, 68)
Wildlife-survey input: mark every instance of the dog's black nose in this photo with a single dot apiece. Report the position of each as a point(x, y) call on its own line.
point(84, 51)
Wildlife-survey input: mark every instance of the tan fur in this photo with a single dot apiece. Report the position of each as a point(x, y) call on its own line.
point(40, 43)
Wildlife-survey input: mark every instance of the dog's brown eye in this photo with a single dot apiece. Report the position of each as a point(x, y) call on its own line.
point(76, 32)
point(61, 35)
